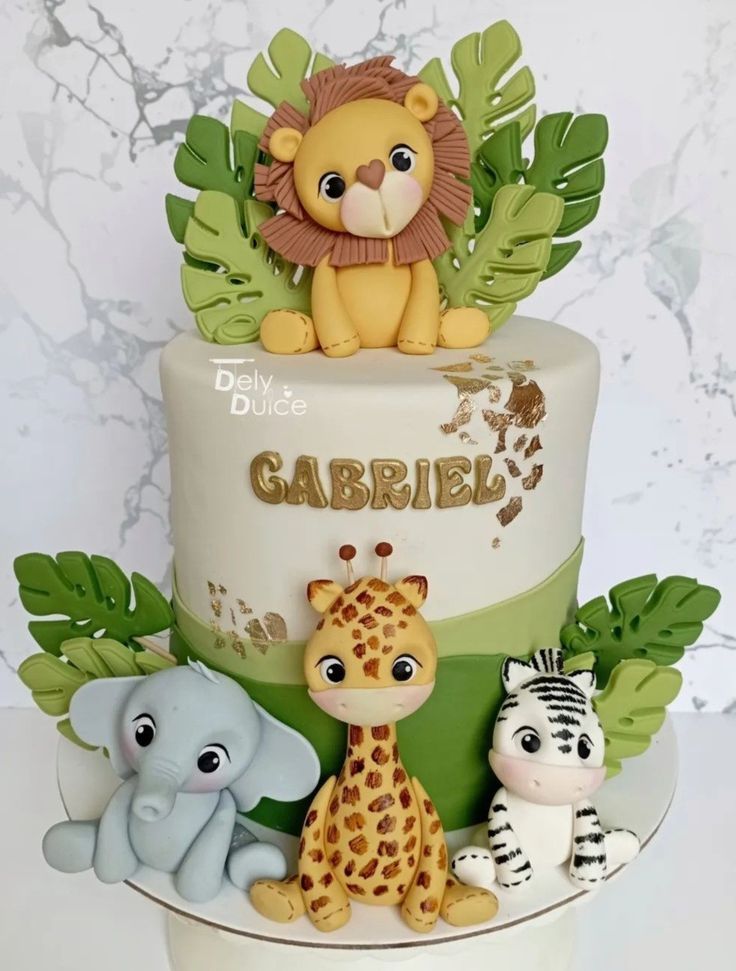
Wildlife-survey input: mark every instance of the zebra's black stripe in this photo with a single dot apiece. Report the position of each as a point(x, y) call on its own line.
point(523, 867)
point(590, 838)
point(563, 719)
point(504, 858)
point(499, 808)
point(583, 859)
point(501, 829)
point(585, 811)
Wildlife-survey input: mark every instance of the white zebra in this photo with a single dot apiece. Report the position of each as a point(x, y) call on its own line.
point(548, 749)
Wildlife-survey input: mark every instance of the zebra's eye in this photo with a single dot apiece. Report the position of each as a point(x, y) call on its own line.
point(528, 739)
point(332, 670)
point(585, 747)
point(145, 730)
point(405, 667)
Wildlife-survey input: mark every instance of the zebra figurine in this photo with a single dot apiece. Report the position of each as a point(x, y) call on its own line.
point(548, 749)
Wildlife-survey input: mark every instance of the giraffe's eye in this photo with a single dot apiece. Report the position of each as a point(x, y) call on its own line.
point(405, 667)
point(332, 670)
point(528, 740)
point(585, 747)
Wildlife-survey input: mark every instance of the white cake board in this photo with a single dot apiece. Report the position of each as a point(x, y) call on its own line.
point(533, 929)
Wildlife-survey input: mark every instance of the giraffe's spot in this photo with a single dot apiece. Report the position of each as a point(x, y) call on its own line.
point(427, 851)
point(356, 735)
point(358, 844)
point(401, 889)
point(335, 806)
point(409, 610)
point(429, 906)
point(384, 611)
point(359, 650)
point(356, 634)
point(387, 648)
point(302, 844)
point(356, 890)
point(355, 821)
point(409, 824)
point(405, 798)
point(386, 825)
point(380, 585)
point(399, 776)
point(388, 848)
point(349, 868)
point(371, 668)
point(389, 630)
point(350, 796)
point(316, 856)
point(411, 861)
point(382, 802)
point(320, 623)
point(391, 870)
point(333, 834)
point(435, 826)
point(379, 755)
point(420, 583)
point(395, 751)
point(318, 904)
point(349, 612)
point(337, 605)
point(380, 890)
point(336, 622)
point(403, 624)
point(373, 642)
point(374, 780)
point(396, 598)
point(410, 844)
point(365, 598)
point(380, 733)
point(336, 859)
point(316, 834)
point(428, 807)
point(353, 586)
point(311, 818)
point(369, 621)
point(369, 869)
point(357, 766)
point(326, 880)
point(442, 857)
point(424, 880)
point(306, 883)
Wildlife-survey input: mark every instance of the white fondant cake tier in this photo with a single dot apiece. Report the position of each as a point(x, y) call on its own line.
point(471, 463)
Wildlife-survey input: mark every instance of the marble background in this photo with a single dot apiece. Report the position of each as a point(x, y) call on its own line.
point(94, 100)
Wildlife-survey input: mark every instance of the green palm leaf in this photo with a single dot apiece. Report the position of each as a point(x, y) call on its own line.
point(483, 100)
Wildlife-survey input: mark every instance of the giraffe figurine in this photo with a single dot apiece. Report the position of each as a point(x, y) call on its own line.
point(372, 834)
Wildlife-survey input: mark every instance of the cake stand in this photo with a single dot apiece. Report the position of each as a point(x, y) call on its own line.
point(533, 930)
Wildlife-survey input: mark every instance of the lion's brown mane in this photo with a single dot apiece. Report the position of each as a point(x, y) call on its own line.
point(298, 238)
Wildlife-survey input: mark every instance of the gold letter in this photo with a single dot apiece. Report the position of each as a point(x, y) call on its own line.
point(386, 474)
point(451, 490)
point(348, 492)
point(305, 486)
point(271, 490)
point(422, 499)
point(486, 491)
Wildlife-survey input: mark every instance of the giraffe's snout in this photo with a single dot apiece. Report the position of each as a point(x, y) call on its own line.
point(371, 707)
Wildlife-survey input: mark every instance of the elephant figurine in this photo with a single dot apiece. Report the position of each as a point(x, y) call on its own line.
point(194, 750)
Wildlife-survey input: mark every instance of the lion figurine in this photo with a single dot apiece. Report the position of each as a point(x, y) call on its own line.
point(361, 184)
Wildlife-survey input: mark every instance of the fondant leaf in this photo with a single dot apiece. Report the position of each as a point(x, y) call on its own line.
point(504, 262)
point(204, 160)
point(230, 305)
point(92, 594)
point(633, 706)
point(292, 60)
point(645, 619)
point(483, 100)
point(567, 162)
point(52, 682)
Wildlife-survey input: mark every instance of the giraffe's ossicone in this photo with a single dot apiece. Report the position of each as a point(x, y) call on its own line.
point(372, 834)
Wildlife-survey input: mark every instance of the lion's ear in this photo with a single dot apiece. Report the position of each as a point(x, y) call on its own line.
point(284, 144)
point(422, 102)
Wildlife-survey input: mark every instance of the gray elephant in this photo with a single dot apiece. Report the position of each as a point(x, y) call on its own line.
point(193, 750)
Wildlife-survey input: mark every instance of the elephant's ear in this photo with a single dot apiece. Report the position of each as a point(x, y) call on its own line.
point(285, 767)
point(95, 714)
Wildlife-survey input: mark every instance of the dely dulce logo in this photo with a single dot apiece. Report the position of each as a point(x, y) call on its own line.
point(252, 392)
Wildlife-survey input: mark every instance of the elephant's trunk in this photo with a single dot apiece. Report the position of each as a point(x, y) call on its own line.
point(158, 785)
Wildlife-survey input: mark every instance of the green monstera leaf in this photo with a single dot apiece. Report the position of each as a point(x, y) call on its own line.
point(633, 706)
point(291, 60)
point(646, 619)
point(53, 681)
point(92, 595)
point(483, 100)
point(503, 263)
point(230, 305)
point(567, 162)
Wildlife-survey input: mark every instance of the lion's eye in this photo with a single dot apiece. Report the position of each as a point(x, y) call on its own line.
point(403, 158)
point(332, 670)
point(332, 187)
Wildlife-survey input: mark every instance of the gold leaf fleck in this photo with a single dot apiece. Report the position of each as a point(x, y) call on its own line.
point(526, 365)
point(466, 439)
point(481, 358)
point(455, 368)
point(495, 542)
point(510, 511)
point(222, 590)
point(258, 635)
point(243, 606)
point(212, 588)
point(513, 468)
point(526, 402)
point(275, 626)
point(532, 480)
point(461, 417)
point(216, 606)
point(467, 385)
point(498, 422)
point(534, 446)
point(520, 443)
point(494, 394)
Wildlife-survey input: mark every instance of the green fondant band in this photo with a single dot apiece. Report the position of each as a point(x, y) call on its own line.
point(445, 743)
point(512, 627)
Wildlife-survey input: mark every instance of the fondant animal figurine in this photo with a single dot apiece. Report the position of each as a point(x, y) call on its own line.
point(363, 180)
point(193, 750)
point(372, 834)
point(548, 749)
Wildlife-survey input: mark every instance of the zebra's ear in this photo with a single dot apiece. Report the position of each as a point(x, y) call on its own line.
point(585, 680)
point(514, 672)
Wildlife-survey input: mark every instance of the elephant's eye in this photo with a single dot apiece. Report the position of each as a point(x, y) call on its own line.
point(211, 758)
point(332, 670)
point(145, 730)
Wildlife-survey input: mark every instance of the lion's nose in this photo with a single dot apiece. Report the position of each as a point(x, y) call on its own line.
point(371, 175)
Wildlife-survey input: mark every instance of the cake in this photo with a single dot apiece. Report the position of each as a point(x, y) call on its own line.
point(361, 394)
